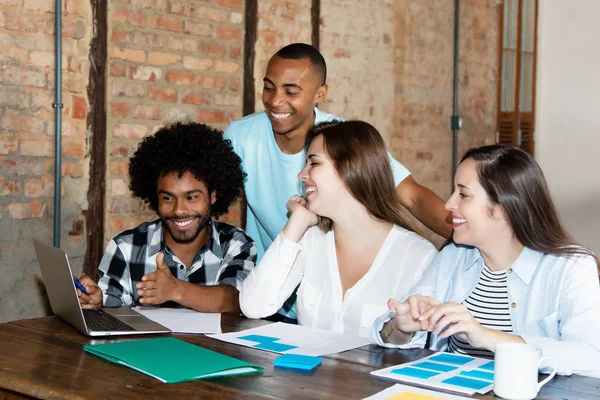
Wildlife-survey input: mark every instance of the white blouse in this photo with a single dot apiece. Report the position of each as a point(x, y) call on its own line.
point(312, 264)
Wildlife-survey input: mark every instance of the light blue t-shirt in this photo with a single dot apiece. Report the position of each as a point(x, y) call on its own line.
point(273, 175)
point(273, 179)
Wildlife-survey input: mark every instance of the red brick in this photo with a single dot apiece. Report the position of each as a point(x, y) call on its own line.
point(73, 149)
point(227, 99)
point(125, 204)
point(153, 4)
point(117, 224)
point(119, 150)
point(120, 37)
point(181, 8)
point(118, 69)
point(235, 52)
point(17, 76)
point(228, 67)
point(118, 187)
point(201, 64)
point(128, 54)
point(165, 23)
point(162, 94)
point(36, 146)
point(119, 168)
point(27, 22)
point(341, 53)
point(130, 131)
point(73, 64)
point(224, 33)
point(159, 58)
point(143, 111)
point(211, 117)
point(197, 28)
point(144, 73)
point(79, 107)
point(234, 84)
point(119, 109)
point(74, 169)
point(213, 49)
point(8, 188)
point(194, 97)
point(180, 77)
point(130, 18)
point(212, 82)
point(231, 3)
point(212, 14)
point(33, 209)
point(120, 89)
point(8, 145)
point(35, 187)
point(13, 121)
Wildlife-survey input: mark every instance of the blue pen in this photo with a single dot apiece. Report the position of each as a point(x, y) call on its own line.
point(79, 286)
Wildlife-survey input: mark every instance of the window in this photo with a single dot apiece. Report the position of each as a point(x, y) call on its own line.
point(516, 86)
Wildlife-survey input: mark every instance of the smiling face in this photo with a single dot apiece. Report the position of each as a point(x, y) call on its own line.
point(183, 206)
point(291, 91)
point(475, 220)
point(322, 183)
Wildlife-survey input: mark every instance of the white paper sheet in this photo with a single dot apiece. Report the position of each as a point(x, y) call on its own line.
point(441, 368)
point(293, 339)
point(397, 391)
point(183, 320)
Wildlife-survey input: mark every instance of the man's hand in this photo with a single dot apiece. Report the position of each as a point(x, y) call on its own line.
point(93, 299)
point(159, 286)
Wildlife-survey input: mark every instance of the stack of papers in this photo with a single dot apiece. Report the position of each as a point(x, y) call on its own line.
point(171, 360)
point(294, 339)
point(183, 320)
point(403, 392)
point(446, 371)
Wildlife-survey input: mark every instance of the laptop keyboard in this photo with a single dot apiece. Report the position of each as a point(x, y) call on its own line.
point(99, 321)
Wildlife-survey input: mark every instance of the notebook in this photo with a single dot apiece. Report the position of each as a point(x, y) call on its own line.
point(58, 278)
point(171, 360)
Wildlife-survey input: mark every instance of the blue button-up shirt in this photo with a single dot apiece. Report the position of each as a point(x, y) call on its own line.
point(554, 303)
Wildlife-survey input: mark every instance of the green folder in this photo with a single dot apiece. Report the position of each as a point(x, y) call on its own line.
point(171, 360)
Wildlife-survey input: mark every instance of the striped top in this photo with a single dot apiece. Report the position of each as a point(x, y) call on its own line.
point(489, 305)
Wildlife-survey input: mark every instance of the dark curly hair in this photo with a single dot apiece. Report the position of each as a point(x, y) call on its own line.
point(187, 147)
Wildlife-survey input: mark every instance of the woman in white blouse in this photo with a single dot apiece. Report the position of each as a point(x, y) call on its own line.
point(346, 243)
point(510, 272)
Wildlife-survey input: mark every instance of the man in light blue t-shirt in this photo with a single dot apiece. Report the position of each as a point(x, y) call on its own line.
point(271, 142)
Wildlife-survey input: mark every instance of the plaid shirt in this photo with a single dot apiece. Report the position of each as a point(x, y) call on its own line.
point(225, 260)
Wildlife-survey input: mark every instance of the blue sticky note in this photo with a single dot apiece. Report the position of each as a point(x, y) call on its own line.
point(274, 346)
point(488, 376)
point(259, 338)
point(488, 367)
point(435, 366)
point(414, 372)
point(297, 361)
point(466, 383)
point(451, 359)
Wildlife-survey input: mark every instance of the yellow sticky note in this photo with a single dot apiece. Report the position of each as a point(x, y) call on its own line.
point(412, 396)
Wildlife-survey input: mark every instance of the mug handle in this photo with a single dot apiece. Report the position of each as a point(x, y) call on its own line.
point(542, 359)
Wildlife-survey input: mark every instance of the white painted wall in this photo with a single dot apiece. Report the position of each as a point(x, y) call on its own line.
point(568, 112)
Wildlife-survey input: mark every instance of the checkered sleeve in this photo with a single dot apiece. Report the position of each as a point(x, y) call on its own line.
point(115, 279)
point(239, 259)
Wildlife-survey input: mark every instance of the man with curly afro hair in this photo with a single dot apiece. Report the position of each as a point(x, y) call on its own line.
point(187, 173)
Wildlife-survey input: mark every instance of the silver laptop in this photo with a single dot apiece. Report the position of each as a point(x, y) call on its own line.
point(58, 278)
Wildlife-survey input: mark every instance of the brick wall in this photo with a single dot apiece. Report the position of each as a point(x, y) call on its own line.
point(168, 60)
point(422, 139)
point(280, 22)
point(27, 144)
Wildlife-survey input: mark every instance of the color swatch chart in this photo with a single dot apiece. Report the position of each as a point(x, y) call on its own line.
point(454, 372)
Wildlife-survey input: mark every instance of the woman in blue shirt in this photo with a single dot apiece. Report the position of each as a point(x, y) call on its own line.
point(509, 273)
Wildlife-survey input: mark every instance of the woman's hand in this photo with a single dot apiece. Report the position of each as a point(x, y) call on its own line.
point(301, 218)
point(400, 329)
point(455, 319)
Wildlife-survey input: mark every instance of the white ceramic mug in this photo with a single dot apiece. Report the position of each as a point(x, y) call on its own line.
point(516, 371)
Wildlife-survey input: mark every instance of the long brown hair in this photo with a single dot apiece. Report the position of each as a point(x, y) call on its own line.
point(360, 158)
point(513, 180)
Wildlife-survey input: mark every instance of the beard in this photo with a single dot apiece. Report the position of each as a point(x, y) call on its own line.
point(186, 237)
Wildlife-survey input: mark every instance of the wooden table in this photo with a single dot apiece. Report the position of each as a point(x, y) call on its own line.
point(44, 358)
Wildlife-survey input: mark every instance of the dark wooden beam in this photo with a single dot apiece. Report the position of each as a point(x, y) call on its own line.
point(249, 55)
point(96, 124)
point(315, 22)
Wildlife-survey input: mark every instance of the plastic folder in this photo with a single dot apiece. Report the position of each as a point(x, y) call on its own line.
point(171, 360)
